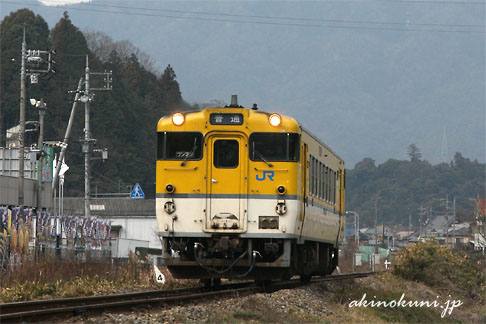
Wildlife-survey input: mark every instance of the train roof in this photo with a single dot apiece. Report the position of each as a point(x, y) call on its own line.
point(320, 142)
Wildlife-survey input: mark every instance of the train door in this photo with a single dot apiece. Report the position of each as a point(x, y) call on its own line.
point(304, 188)
point(226, 180)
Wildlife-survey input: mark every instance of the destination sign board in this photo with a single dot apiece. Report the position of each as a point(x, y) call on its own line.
point(226, 119)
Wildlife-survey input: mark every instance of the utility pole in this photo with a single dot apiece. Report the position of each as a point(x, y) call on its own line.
point(42, 111)
point(32, 57)
point(22, 129)
point(409, 220)
point(87, 135)
point(447, 219)
point(376, 231)
point(64, 144)
point(422, 214)
point(88, 141)
point(454, 217)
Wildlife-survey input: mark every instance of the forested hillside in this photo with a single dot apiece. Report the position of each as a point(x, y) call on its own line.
point(122, 120)
point(403, 71)
point(401, 187)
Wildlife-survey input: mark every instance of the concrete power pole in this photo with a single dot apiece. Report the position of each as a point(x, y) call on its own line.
point(22, 129)
point(374, 222)
point(87, 144)
point(422, 211)
point(409, 220)
point(32, 57)
point(42, 111)
point(64, 144)
point(88, 141)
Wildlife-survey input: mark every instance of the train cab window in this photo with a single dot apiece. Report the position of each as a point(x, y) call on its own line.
point(179, 146)
point(275, 147)
point(226, 153)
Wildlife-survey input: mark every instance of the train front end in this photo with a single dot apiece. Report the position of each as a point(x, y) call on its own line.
point(227, 200)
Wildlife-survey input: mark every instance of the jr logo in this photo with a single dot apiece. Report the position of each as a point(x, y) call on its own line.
point(268, 174)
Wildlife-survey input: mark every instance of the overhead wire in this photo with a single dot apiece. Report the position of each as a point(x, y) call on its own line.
point(286, 18)
point(276, 23)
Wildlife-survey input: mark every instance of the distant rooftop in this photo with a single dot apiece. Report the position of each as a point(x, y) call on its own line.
point(482, 206)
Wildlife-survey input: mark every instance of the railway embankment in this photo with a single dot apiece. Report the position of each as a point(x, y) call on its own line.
point(428, 284)
point(324, 302)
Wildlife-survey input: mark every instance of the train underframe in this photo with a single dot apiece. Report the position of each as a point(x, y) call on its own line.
point(233, 257)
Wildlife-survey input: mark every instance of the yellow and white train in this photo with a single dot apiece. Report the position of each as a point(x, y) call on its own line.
point(242, 193)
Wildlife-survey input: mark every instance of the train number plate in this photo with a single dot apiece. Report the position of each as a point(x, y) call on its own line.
point(226, 119)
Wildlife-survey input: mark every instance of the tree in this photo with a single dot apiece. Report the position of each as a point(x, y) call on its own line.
point(414, 153)
point(170, 88)
point(102, 45)
point(11, 33)
point(123, 120)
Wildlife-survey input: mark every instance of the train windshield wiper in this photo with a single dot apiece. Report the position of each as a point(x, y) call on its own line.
point(190, 153)
point(263, 159)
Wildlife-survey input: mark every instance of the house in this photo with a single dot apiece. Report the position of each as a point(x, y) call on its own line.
point(458, 236)
point(479, 230)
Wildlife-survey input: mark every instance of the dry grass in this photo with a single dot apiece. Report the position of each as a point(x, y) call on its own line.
point(50, 277)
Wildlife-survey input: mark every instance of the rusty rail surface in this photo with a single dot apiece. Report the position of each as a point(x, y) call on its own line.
point(53, 309)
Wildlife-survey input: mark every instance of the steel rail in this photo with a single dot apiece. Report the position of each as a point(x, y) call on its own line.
point(30, 310)
point(64, 307)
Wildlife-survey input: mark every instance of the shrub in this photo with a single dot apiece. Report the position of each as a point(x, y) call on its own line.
point(436, 265)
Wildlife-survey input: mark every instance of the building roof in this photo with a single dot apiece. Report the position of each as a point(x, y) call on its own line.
point(111, 207)
point(464, 231)
point(482, 206)
point(403, 234)
point(438, 222)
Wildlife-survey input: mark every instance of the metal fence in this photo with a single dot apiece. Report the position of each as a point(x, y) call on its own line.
point(40, 230)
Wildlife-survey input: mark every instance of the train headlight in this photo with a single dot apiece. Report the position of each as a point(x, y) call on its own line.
point(281, 190)
point(170, 188)
point(178, 119)
point(274, 119)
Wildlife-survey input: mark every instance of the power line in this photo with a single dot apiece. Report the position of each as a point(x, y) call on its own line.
point(482, 3)
point(263, 22)
point(280, 18)
point(284, 18)
point(355, 1)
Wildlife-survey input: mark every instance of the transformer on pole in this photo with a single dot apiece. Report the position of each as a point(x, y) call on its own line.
point(35, 59)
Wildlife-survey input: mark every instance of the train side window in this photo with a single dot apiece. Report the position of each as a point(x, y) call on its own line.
point(314, 176)
point(321, 191)
point(179, 146)
point(311, 175)
point(336, 179)
point(327, 183)
point(323, 174)
point(324, 182)
point(226, 153)
point(330, 184)
point(333, 187)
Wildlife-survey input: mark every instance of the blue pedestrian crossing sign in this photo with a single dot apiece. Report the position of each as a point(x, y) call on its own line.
point(137, 192)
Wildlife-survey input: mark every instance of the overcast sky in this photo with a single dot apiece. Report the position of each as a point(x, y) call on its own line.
point(368, 77)
point(61, 2)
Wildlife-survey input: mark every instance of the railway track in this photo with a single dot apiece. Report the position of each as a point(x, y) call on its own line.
point(41, 310)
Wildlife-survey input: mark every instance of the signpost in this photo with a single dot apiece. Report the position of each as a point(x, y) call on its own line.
point(137, 192)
